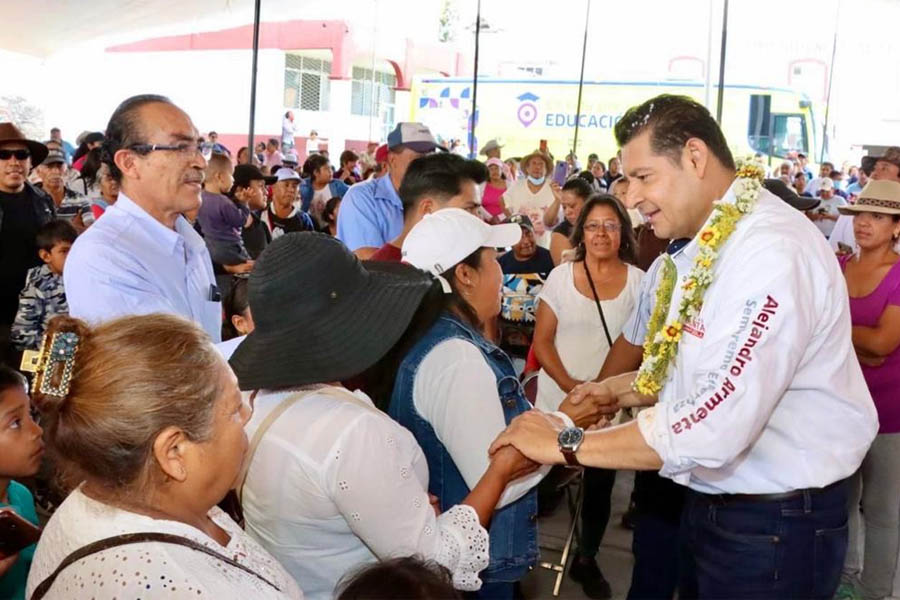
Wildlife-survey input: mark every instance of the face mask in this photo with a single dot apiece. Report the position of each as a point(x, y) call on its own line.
point(536, 180)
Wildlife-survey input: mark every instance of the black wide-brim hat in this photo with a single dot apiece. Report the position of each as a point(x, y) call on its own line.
point(320, 314)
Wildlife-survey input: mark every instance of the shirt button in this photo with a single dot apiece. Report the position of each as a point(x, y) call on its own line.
point(510, 402)
point(533, 518)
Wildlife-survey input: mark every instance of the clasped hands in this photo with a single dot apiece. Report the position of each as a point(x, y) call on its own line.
point(590, 405)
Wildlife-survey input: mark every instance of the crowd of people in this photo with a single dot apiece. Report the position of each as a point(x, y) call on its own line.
point(259, 378)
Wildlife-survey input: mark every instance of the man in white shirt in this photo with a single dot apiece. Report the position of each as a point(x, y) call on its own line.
point(532, 195)
point(288, 128)
point(825, 170)
point(144, 256)
point(826, 214)
point(763, 413)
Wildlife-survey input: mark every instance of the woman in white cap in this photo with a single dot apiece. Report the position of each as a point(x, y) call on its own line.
point(873, 281)
point(455, 389)
point(332, 482)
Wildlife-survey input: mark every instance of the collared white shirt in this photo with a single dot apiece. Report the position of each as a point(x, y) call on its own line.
point(128, 263)
point(766, 394)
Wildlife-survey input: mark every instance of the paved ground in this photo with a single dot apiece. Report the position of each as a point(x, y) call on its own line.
point(615, 558)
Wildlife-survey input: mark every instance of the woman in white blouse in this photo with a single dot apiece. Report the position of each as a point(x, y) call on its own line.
point(455, 389)
point(145, 413)
point(583, 306)
point(334, 483)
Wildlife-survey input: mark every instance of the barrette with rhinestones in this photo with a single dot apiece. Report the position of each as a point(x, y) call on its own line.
point(53, 364)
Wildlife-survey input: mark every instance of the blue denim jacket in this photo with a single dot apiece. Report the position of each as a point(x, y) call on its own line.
point(513, 529)
point(338, 188)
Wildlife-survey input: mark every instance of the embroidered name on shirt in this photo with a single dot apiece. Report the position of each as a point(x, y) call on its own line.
point(695, 327)
point(741, 360)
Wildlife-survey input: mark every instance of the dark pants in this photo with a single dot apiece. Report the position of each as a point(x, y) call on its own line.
point(656, 543)
point(775, 549)
point(598, 486)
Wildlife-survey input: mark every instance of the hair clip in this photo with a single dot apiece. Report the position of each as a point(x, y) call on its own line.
point(53, 371)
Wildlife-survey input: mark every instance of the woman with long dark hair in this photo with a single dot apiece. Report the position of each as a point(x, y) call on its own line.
point(583, 306)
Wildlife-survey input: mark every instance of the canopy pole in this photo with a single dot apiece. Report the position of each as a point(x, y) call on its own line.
point(721, 98)
point(587, 19)
point(473, 122)
point(250, 145)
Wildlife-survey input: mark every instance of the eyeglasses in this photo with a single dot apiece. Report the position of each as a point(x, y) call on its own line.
point(607, 226)
point(19, 154)
point(186, 149)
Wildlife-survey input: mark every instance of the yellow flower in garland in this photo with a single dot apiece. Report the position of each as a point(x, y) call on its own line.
point(710, 236)
point(672, 332)
point(661, 343)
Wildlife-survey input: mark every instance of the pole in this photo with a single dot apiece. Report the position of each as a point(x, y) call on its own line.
point(707, 74)
point(830, 81)
point(250, 145)
point(475, 84)
point(721, 99)
point(372, 104)
point(587, 18)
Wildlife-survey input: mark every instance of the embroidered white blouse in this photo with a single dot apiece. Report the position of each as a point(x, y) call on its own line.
point(150, 569)
point(335, 485)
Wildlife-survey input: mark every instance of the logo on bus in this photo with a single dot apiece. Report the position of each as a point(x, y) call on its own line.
point(527, 112)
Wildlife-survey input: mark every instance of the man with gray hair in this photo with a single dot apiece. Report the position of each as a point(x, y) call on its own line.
point(143, 256)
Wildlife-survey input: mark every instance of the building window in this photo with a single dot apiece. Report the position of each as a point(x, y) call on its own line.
point(373, 94)
point(306, 82)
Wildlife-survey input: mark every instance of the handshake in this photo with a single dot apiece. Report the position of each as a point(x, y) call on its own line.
point(594, 404)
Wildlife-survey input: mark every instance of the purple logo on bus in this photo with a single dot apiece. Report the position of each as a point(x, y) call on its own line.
point(527, 112)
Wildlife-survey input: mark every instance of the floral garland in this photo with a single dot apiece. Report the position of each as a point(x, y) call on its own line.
point(661, 344)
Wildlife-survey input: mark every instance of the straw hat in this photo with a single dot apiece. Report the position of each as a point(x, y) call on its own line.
point(877, 197)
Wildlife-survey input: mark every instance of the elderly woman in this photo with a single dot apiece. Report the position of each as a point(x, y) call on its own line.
point(147, 416)
point(455, 390)
point(873, 281)
point(333, 482)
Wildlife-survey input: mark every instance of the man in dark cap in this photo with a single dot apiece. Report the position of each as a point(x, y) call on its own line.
point(23, 209)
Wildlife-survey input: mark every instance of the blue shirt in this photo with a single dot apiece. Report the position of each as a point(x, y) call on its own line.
point(371, 214)
point(128, 263)
point(12, 585)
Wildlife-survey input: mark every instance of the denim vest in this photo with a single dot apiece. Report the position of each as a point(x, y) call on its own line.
point(513, 529)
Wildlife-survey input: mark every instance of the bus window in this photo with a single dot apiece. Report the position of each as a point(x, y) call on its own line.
point(789, 134)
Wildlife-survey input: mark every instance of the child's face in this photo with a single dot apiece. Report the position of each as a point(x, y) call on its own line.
point(56, 257)
point(226, 179)
point(21, 446)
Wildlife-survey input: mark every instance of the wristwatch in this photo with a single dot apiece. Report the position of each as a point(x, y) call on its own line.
point(569, 440)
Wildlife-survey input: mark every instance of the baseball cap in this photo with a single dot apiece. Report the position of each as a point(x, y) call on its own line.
point(381, 154)
point(54, 157)
point(443, 238)
point(414, 136)
point(827, 184)
point(285, 174)
point(291, 159)
point(790, 196)
point(522, 221)
point(244, 174)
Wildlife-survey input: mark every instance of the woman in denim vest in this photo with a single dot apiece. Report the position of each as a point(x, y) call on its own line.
point(455, 390)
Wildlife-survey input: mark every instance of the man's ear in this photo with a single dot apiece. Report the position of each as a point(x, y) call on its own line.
point(44, 255)
point(126, 161)
point(696, 154)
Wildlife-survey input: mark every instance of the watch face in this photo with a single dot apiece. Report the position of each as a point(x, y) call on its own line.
point(570, 437)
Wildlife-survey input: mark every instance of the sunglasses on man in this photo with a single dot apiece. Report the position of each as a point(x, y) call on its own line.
point(19, 154)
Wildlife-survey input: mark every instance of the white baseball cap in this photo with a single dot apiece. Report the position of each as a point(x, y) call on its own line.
point(285, 174)
point(827, 184)
point(442, 239)
point(291, 158)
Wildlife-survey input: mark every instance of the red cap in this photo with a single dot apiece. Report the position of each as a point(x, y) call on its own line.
point(381, 154)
